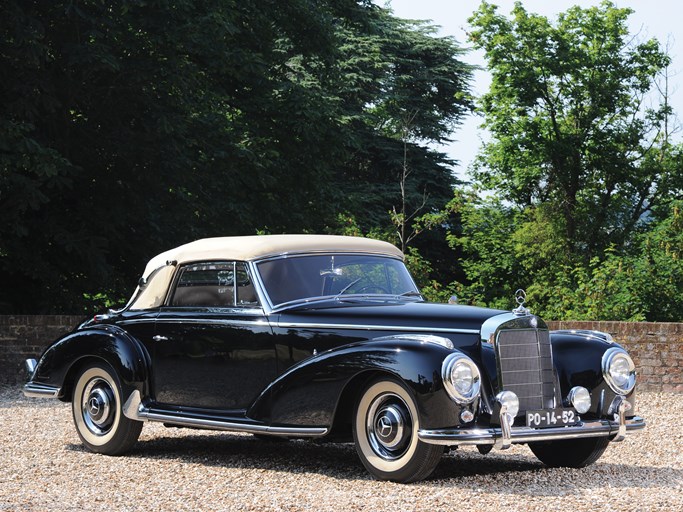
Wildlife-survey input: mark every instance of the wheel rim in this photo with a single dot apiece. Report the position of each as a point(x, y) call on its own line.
point(389, 426)
point(98, 406)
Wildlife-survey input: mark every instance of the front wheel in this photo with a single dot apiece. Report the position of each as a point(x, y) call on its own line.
point(96, 407)
point(570, 453)
point(385, 430)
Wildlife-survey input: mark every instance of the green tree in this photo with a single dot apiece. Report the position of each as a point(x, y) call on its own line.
point(129, 127)
point(403, 88)
point(568, 125)
point(658, 268)
point(578, 166)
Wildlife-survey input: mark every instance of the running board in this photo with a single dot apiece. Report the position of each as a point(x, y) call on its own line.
point(135, 410)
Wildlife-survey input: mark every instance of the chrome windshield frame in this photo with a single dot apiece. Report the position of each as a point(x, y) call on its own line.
point(268, 305)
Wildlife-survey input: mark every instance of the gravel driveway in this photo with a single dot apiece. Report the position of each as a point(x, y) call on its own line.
point(44, 467)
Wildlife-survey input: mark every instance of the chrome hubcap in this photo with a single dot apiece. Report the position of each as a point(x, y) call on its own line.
point(389, 426)
point(98, 406)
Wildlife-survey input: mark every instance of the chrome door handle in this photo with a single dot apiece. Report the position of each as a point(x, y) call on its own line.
point(159, 338)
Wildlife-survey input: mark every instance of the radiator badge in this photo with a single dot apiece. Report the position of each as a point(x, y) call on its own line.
point(520, 299)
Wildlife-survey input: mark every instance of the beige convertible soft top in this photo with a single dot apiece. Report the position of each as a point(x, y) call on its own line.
point(249, 248)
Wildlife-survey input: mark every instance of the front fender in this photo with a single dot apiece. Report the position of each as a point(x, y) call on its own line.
point(60, 361)
point(578, 361)
point(309, 393)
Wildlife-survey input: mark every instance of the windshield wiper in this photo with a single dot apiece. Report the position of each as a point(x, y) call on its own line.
point(347, 287)
point(411, 293)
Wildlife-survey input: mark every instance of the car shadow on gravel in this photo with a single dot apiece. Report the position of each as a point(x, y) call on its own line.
point(525, 475)
point(338, 460)
point(497, 473)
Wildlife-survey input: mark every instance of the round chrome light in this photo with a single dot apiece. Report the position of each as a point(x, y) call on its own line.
point(618, 370)
point(466, 416)
point(580, 399)
point(461, 378)
point(509, 400)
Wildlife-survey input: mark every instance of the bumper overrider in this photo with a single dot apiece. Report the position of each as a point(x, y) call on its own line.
point(507, 434)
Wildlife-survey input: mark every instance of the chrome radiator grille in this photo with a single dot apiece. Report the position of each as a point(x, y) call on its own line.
point(526, 367)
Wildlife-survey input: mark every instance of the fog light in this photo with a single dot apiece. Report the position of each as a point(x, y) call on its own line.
point(580, 399)
point(466, 416)
point(510, 401)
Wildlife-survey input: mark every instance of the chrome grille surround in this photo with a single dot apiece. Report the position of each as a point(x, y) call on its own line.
point(525, 367)
point(524, 359)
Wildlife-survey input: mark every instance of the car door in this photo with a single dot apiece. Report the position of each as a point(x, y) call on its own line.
point(213, 347)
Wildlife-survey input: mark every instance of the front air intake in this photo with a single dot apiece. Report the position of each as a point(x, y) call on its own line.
point(525, 364)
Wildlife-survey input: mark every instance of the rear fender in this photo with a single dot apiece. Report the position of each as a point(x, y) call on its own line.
point(62, 360)
point(309, 393)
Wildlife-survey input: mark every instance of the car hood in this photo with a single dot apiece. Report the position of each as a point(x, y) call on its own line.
point(375, 314)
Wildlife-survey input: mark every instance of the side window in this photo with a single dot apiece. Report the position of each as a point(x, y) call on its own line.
point(213, 285)
point(246, 295)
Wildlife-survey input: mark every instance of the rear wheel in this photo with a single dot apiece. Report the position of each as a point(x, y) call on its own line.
point(96, 407)
point(570, 453)
point(385, 430)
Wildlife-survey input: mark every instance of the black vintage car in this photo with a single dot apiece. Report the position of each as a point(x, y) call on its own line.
point(306, 336)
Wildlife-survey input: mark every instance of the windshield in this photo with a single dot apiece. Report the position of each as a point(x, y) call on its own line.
point(302, 277)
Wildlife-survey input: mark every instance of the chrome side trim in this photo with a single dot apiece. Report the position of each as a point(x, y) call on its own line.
point(213, 321)
point(369, 327)
point(476, 436)
point(419, 338)
point(136, 410)
point(34, 390)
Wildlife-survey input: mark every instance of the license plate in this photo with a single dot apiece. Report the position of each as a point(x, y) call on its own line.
point(551, 418)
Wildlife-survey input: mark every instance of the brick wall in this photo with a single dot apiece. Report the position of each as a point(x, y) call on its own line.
point(657, 348)
point(25, 336)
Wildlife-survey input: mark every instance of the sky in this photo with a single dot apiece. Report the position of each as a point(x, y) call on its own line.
point(660, 19)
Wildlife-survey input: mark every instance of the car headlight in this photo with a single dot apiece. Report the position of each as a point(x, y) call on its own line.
point(461, 378)
point(618, 370)
point(580, 398)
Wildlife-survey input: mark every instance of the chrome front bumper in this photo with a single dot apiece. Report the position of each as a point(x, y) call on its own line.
point(505, 435)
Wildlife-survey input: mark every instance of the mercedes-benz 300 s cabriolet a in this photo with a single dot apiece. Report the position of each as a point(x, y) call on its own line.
point(326, 337)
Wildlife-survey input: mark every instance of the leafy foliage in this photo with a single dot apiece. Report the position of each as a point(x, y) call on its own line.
point(566, 113)
point(578, 166)
point(130, 127)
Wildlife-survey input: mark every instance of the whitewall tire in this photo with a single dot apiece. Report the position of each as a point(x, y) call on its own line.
point(385, 427)
point(96, 406)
